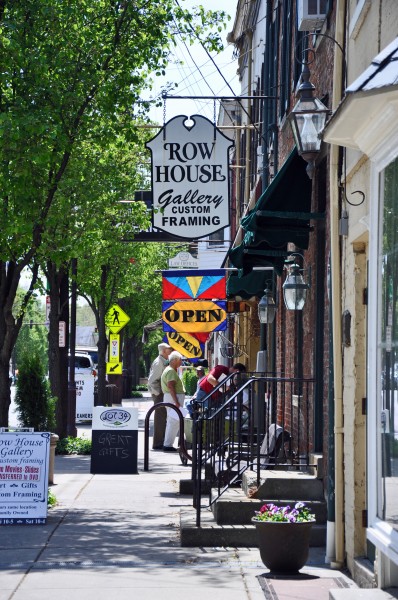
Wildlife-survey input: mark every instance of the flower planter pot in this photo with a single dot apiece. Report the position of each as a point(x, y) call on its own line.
point(283, 546)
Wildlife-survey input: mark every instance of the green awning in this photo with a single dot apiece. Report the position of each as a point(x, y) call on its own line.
point(249, 285)
point(256, 252)
point(282, 213)
point(281, 216)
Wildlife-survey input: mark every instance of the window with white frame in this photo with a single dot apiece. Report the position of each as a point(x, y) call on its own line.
point(387, 509)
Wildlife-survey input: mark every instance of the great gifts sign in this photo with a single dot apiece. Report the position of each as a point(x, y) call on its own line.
point(190, 177)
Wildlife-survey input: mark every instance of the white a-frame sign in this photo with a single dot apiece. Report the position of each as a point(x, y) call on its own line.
point(190, 177)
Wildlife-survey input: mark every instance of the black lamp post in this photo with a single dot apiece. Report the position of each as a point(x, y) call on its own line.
point(307, 120)
point(267, 307)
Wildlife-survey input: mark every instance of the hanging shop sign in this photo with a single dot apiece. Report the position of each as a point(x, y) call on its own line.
point(190, 177)
point(196, 316)
point(186, 344)
point(184, 260)
point(204, 284)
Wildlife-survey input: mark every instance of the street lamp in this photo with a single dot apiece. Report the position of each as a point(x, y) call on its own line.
point(307, 120)
point(267, 307)
point(295, 288)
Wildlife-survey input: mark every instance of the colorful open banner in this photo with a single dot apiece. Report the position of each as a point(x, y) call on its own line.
point(186, 344)
point(203, 284)
point(195, 316)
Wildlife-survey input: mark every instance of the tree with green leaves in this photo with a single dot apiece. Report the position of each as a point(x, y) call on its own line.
point(35, 405)
point(71, 75)
point(32, 338)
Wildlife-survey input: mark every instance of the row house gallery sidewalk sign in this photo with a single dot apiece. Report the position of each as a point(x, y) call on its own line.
point(24, 464)
point(190, 177)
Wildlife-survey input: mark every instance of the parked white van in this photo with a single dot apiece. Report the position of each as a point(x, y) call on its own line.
point(85, 374)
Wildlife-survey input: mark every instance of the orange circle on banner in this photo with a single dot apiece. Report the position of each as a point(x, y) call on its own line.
point(194, 316)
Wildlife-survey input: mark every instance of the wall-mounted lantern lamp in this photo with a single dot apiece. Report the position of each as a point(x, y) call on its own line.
point(307, 120)
point(267, 307)
point(295, 288)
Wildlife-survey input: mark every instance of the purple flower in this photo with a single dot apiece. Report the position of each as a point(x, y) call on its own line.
point(285, 514)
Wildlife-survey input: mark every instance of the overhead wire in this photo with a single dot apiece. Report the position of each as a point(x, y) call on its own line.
point(222, 76)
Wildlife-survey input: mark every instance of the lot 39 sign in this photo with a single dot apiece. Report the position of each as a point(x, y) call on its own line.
point(190, 178)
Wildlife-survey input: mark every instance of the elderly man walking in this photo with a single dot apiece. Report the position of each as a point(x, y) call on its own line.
point(155, 388)
point(174, 393)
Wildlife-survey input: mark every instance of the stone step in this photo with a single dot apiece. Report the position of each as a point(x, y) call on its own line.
point(283, 485)
point(210, 534)
point(187, 486)
point(360, 594)
point(235, 508)
point(316, 465)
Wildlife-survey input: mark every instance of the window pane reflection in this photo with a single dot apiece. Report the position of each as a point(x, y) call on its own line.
point(388, 510)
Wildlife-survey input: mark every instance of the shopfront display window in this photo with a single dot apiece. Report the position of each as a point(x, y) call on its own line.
point(388, 347)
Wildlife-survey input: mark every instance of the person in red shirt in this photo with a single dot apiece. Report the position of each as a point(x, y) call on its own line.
point(214, 377)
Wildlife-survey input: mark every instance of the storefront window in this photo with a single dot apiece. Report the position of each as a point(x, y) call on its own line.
point(388, 347)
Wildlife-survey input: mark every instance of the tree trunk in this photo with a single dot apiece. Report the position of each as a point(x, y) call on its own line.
point(10, 275)
point(135, 354)
point(128, 365)
point(58, 357)
point(102, 341)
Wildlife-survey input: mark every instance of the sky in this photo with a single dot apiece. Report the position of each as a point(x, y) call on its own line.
point(198, 76)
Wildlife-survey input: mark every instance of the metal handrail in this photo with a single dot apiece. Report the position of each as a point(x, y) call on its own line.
point(226, 441)
point(182, 449)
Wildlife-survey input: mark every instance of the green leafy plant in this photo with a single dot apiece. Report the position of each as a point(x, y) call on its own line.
point(284, 514)
point(35, 405)
point(72, 445)
point(190, 381)
point(135, 394)
point(51, 499)
point(142, 388)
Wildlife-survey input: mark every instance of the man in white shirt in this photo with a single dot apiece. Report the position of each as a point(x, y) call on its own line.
point(154, 386)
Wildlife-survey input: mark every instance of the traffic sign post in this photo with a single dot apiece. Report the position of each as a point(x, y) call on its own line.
point(114, 368)
point(116, 318)
point(114, 347)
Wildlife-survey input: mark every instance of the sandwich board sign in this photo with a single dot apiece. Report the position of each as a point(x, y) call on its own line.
point(114, 440)
point(24, 464)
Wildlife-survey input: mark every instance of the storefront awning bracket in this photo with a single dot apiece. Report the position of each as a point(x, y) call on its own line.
point(290, 215)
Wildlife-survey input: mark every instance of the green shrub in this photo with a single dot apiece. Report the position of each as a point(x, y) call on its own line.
point(35, 405)
point(190, 381)
point(72, 445)
point(51, 499)
point(135, 394)
point(142, 388)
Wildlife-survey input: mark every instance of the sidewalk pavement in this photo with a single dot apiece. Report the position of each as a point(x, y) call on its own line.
point(118, 536)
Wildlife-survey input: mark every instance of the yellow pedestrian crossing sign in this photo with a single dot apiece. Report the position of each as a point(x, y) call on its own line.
point(116, 318)
point(114, 368)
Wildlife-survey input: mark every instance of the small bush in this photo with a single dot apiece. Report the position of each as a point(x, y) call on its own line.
point(51, 499)
point(190, 381)
point(71, 445)
point(142, 388)
point(35, 405)
point(135, 394)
